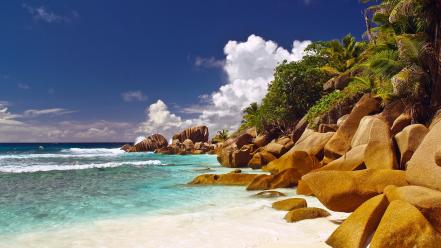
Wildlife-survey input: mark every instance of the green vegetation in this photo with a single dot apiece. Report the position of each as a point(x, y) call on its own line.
point(399, 59)
point(221, 136)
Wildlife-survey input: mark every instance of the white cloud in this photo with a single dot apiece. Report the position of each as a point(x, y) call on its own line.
point(134, 96)
point(23, 86)
point(7, 118)
point(250, 67)
point(161, 120)
point(43, 14)
point(209, 62)
point(51, 111)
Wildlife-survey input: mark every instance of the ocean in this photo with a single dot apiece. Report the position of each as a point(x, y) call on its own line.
point(95, 195)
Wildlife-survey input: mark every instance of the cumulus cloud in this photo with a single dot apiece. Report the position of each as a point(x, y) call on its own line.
point(134, 96)
point(249, 66)
point(161, 120)
point(43, 14)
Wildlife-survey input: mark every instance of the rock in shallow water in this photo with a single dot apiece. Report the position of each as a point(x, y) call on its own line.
point(290, 204)
point(305, 213)
point(224, 179)
point(269, 194)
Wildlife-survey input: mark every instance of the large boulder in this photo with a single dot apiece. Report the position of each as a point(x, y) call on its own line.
point(260, 159)
point(312, 142)
point(195, 134)
point(275, 149)
point(408, 141)
point(189, 145)
point(225, 156)
point(299, 129)
point(150, 144)
point(244, 139)
point(345, 191)
point(403, 226)
point(375, 134)
point(340, 142)
point(285, 179)
point(305, 213)
point(402, 121)
point(360, 225)
point(242, 156)
point(352, 160)
point(422, 168)
point(290, 204)
point(392, 111)
point(428, 201)
point(224, 179)
point(262, 140)
point(300, 160)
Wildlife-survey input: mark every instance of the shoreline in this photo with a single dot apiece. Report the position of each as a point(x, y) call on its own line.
point(255, 224)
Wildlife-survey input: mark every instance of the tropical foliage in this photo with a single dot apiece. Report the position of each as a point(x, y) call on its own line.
point(400, 58)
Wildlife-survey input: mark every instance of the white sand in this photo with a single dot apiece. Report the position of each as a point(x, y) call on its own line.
point(249, 223)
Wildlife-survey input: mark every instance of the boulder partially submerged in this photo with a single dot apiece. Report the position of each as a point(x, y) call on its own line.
point(150, 144)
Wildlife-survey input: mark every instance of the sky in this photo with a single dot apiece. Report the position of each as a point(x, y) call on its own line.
point(110, 71)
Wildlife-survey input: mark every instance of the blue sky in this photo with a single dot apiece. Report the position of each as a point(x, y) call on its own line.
point(114, 70)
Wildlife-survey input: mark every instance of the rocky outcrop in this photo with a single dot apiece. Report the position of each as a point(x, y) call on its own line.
point(427, 201)
point(224, 179)
point(352, 160)
point(305, 213)
point(290, 204)
point(422, 168)
point(408, 141)
point(299, 160)
point(269, 194)
point(340, 142)
point(262, 140)
point(345, 191)
point(403, 226)
point(244, 139)
point(285, 179)
point(360, 225)
point(261, 182)
point(150, 144)
point(261, 158)
point(195, 134)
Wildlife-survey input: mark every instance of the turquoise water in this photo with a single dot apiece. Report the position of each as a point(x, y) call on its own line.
point(48, 186)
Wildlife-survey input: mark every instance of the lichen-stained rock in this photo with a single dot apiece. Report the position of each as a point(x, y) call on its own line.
point(408, 141)
point(150, 144)
point(305, 213)
point(428, 201)
point(352, 160)
point(195, 134)
point(422, 168)
point(340, 142)
point(299, 160)
point(404, 226)
point(345, 191)
point(375, 134)
point(290, 204)
point(224, 179)
point(356, 229)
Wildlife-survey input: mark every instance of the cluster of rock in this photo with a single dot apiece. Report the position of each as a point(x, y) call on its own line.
point(376, 164)
point(193, 140)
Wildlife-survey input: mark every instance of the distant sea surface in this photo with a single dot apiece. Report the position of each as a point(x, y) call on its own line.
point(50, 186)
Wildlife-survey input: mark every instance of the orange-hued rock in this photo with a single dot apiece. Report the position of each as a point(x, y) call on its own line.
point(422, 168)
point(428, 201)
point(290, 204)
point(408, 141)
point(404, 226)
point(375, 134)
point(300, 160)
point(269, 194)
point(224, 179)
point(244, 139)
point(305, 213)
point(392, 111)
point(150, 144)
point(303, 189)
point(356, 229)
point(262, 140)
point(312, 142)
point(260, 159)
point(404, 120)
point(275, 149)
point(242, 157)
point(285, 179)
point(340, 142)
point(261, 182)
point(195, 134)
point(345, 191)
point(352, 160)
